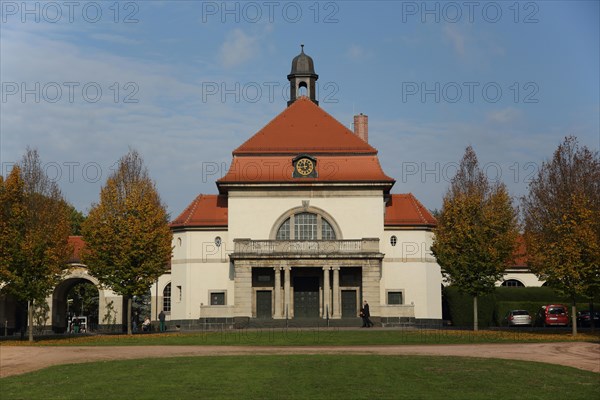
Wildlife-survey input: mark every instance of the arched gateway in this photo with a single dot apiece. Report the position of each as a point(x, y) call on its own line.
point(102, 307)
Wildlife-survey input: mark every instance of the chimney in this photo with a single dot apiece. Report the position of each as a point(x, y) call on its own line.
point(361, 126)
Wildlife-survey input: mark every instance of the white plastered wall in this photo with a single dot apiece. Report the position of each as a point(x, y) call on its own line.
point(358, 216)
point(198, 266)
point(526, 278)
point(409, 266)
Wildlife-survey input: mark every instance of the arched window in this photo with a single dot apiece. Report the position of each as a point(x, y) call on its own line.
point(393, 240)
point(512, 283)
point(305, 226)
point(327, 232)
point(284, 231)
point(167, 298)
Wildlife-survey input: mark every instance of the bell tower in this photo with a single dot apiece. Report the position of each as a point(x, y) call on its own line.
point(303, 76)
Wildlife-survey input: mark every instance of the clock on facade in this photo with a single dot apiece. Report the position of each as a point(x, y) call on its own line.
point(304, 166)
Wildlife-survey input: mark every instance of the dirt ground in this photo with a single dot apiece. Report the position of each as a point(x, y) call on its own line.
point(16, 360)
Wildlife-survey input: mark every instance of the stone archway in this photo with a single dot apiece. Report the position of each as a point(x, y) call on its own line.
point(61, 308)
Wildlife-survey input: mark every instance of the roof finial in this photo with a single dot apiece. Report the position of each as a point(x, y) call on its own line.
point(302, 48)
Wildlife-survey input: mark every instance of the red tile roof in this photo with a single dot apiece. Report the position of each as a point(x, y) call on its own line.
point(520, 256)
point(304, 127)
point(406, 210)
point(77, 244)
point(357, 168)
point(204, 211)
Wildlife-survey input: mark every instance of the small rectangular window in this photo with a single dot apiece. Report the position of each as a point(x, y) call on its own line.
point(395, 298)
point(217, 299)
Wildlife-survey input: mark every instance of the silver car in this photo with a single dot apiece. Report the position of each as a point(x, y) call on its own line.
point(518, 318)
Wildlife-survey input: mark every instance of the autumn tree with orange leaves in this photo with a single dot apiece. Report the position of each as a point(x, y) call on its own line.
point(34, 233)
point(562, 222)
point(128, 240)
point(476, 234)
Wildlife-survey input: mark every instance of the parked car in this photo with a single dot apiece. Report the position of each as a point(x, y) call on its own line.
point(517, 318)
point(552, 315)
point(584, 318)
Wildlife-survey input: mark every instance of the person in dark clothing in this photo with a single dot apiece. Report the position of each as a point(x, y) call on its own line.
point(364, 319)
point(161, 319)
point(135, 322)
point(366, 315)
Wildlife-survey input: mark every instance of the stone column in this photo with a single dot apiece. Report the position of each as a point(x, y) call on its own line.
point(337, 306)
point(326, 293)
point(278, 313)
point(371, 278)
point(243, 290)
point(286, 291)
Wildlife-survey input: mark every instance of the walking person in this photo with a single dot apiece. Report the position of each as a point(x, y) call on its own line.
point(367, 315)
point(362, 316)
point(161, 318)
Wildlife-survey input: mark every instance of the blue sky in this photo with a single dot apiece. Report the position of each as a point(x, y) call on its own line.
point(186, 82)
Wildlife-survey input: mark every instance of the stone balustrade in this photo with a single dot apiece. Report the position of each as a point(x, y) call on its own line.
point(306, 247)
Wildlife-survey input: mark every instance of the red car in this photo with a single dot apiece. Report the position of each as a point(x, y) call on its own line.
point(553, 315)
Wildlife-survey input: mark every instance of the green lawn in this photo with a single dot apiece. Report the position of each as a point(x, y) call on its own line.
point(305, 377)
point(296, 337)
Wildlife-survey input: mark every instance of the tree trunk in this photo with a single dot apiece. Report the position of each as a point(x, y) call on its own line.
point(129, 302)
point(30, 319)
point(475, 321)
point(574, 317)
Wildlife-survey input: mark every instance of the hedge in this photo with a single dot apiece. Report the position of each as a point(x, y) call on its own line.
point(493, 307)
point(460, 308)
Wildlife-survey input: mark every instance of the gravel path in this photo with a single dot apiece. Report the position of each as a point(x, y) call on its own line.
point(16, 360)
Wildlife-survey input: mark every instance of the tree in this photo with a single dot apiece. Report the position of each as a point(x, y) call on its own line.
point(76, 218)
point(561, 215)
point(34, 233)
point(128, 240)
point(475, 238)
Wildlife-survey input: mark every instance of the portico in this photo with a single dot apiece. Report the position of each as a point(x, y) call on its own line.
point(305, 278)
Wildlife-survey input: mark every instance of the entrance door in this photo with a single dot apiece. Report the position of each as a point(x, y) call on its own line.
point(306, 297)
point(348, 303)
point(263, 304)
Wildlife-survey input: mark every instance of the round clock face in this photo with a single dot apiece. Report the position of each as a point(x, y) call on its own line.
point(305, 166)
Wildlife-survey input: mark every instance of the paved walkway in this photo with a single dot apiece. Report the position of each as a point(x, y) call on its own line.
point(16, 360)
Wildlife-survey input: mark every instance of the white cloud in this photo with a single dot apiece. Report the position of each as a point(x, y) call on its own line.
point(238, 48)
point(457, 38)
point(355, 52)
point(422, 156)
point(504, 115)
point(172, 127)
point(118, 39)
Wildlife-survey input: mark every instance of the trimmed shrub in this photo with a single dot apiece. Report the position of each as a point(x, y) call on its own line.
point(460, 308)
point(542, 294)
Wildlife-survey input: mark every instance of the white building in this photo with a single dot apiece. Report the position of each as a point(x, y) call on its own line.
point(304, 227)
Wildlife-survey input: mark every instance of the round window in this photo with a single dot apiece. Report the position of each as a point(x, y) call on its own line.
point(218, 241)
point(393, 240)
